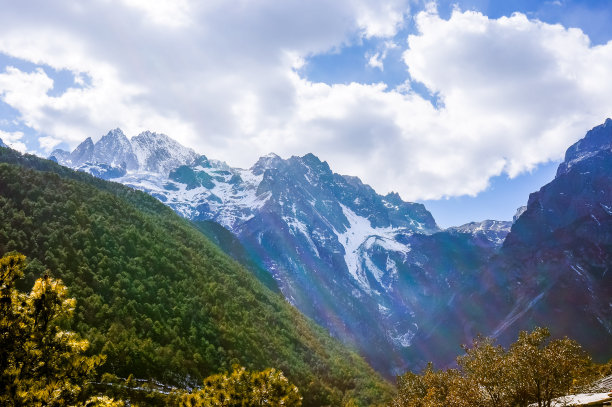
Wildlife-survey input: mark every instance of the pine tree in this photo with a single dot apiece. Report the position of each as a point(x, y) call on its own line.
point(41, 363)
point(243, 388)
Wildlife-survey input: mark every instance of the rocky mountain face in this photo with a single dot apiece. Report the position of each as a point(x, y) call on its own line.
point(560, 249)
point(376, 271)
point(160, 154)
point(487, 232)
point(2, 144)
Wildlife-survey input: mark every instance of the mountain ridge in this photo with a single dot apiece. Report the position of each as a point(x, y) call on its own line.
point(337, 250)
point(376, 271)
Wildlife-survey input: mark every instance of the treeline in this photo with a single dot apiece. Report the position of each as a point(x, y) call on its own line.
point(533, 370)
point(156, 297)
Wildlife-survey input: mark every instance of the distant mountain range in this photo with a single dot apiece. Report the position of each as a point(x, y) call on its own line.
point(376, 271)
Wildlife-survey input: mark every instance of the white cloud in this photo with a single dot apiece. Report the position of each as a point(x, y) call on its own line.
point(381, 19)
point(376, 59)
point(516, 92)
point(13, 140)
point(48, 143)
point(221, 77)
point(172, 13)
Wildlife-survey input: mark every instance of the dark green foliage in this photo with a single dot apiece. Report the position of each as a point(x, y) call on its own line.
point(230, 245)
point(41, 363)
point(155, 296)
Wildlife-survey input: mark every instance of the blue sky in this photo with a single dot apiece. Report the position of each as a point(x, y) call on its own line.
point(466, 106)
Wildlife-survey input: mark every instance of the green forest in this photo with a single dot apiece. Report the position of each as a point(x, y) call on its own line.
point(158, 299)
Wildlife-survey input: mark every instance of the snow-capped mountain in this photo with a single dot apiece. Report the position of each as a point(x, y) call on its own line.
point(376, 271)
point(115, 150)
point(160, 154)
point(332, 244)
point(338, 251)
point(81, 155)
point(114, 155)
point(492, 232)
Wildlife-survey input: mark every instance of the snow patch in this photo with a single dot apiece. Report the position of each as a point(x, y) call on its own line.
point(404, 340)
point(360, 235)
point(228, 205)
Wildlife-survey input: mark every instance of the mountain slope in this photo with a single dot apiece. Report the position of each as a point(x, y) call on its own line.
point(379, 274)
point(341, 253)
point(156, 296)
point(554, 268)
point(561, 248)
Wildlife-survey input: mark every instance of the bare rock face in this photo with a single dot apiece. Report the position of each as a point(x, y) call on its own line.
point(555, 267)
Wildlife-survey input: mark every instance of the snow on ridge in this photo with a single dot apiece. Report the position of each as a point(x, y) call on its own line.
point(160, 153)
point(296, 226)
point(232, 206)
point(237, 204)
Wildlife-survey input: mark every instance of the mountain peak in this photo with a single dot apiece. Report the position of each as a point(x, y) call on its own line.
point(83, 153)
point(597, 139)
point(394, 198)
point(115, 150)
point(267, 162)
point(2, 144)
point(60, 156)
point(312, 161)
point(116, 132)
point(156, 152)
point(151, 135)
point(519, 211)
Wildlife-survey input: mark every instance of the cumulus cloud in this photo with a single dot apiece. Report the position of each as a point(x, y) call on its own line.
point(516, 92)
point(221, 77)
point(376, 59)
point(192, 80)
point(13, 140)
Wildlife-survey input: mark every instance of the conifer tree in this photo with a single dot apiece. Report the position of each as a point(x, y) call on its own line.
point(243, 388)
point(41, 363)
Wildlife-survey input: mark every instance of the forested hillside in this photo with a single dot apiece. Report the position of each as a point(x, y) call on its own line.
point(154, 295)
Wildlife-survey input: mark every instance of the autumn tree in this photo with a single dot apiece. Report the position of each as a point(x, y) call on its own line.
point(485, 364)
point(535, 369)
point(437, 388)
point(243, 388)
point(41, 363)
point(541, 369)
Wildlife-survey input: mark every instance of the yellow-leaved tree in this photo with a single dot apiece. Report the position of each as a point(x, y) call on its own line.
point(535, 369)
point(243, 388)
point(41, 362)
